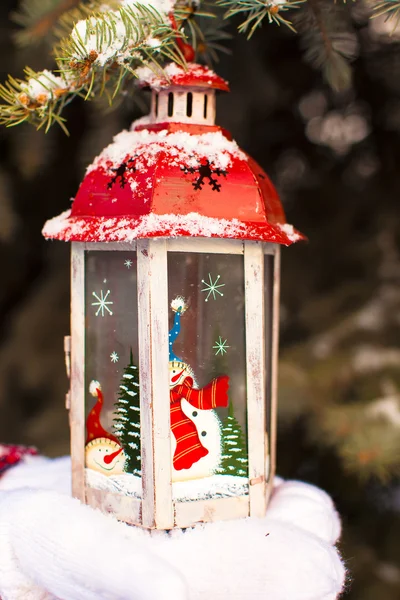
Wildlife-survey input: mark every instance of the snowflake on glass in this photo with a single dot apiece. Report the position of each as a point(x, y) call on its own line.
point(114, 357)
point(128, 263)
point(212, 287)
point(205, 171)
point(102, 303)
point(221, 346)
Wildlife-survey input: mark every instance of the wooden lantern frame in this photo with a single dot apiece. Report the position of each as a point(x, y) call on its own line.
point(157, 509)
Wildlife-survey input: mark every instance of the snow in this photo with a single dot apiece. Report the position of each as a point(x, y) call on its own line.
point(43, 85)
point(174, 74)
point(84, 34)
point(105, 229)
point(129, 230)
point(153, 42)
point(290, 231)
point(157, 81)
point(181, 148)
point(216, 486)
point(162, 6)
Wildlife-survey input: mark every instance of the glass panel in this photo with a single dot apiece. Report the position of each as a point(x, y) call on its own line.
point(268, 295)
point(111, 373)
point(207, 375)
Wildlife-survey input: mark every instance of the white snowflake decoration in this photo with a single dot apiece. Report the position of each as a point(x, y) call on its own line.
point(102, 303)
point(114, 357)
point(212, 287)
point(221, 346)
point(128, 263)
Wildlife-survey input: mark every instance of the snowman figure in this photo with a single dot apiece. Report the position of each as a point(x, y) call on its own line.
point(103, 451)
point(196, 427)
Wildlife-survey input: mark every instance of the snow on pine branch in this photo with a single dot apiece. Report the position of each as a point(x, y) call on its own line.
point(44, 86)
point(134, 33)
point(98, 55)
point(114, 35)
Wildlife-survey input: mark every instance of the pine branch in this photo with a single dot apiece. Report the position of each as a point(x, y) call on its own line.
point(38, 17)
point(65, 24)
point(204, 30)
point(95, 59)
point(329, 41)
point(256, 11)
point(363, 436)
point(390, 8)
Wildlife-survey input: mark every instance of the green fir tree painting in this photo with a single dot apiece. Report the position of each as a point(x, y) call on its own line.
point(234, 453)
point(127, 418)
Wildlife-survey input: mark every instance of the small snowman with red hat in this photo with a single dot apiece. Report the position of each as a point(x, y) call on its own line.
point(103, 451)
point(196, 427)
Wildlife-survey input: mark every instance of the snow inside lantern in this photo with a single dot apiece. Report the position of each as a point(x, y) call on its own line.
point(174, 322)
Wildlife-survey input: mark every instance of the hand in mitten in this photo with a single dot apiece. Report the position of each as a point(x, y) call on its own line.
point(53, 547)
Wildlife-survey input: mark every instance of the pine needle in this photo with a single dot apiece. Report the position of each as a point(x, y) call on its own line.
point(329, 41)
point(390, 8)
point(96, 58)
point(255, 12)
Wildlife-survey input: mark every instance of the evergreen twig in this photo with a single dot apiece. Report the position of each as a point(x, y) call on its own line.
point(205, 30)
point(38, 17)
point(96, 58)
point(329, 40)
point(390, 8)
point(256, 11)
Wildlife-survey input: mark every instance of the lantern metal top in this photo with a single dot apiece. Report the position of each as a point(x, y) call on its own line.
point(197, 76)
point(175, 175)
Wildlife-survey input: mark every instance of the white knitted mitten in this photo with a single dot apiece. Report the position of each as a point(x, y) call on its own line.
point(53, 547)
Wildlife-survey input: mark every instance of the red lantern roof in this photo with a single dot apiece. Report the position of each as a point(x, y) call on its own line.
point(197, 76)
point(170, 180)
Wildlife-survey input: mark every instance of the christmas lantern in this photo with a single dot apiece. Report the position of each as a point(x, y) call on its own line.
point(175, 237)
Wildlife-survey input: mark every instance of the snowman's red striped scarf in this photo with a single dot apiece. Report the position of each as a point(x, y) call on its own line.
point(188, 446)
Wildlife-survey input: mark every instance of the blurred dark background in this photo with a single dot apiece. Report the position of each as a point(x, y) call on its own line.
point(335, 159)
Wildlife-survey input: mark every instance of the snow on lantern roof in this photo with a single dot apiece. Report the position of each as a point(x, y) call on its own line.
point(193, 75)
point(173, 182)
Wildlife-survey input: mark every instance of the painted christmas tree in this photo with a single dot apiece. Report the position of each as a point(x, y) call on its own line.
point(234, 453)
point(127, 417)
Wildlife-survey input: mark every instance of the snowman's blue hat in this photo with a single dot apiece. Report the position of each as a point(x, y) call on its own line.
point(179, 306)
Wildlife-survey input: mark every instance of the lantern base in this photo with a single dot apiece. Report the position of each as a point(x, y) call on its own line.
point(206, 488)
point(219, 497)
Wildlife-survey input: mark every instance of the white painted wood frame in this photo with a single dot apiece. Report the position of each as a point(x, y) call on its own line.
point(121, 507)
point(77, 396)
point(269, 248)
point(111, 246)
point(152, 277)
point(255, 374)
point(205, 511)
point(274, 365)
point(205, 245)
